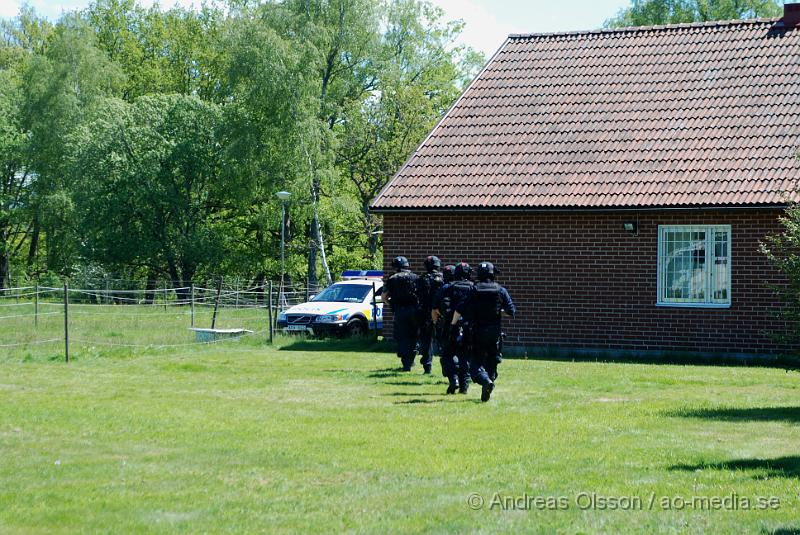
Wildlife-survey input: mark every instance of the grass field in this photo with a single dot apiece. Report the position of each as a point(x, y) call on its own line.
point(328, 437)
point(112, 330)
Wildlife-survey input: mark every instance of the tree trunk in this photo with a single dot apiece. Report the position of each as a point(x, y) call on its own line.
point(183, 280)
point(33, 250)
point(5, 267)
point(312, 252)
point(149, 287)
point(370, 227)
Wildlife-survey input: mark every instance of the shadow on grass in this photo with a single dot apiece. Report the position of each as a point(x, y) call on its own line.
point(783, 531)
point(406, 383)
point(442, 399)
point(384, 373)
point(750, 414)
point(344, 345)
point(788, 362)
point(414, 394)
point(788, 467)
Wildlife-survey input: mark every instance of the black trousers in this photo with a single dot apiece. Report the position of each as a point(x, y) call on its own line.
point(485, 348)
point(405, 333)
point(426, 336)
point(455, 362)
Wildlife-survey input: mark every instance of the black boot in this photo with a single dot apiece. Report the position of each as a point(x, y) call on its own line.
point(453, 386)
point(486, 391)
point(427, 369)
point(464, 387)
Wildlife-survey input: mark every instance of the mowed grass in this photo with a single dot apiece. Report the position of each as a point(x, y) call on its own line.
point(328, 437)
point(113, 330)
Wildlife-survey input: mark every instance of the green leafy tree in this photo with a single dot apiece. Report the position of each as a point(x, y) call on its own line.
point(324, 98)
point(154, 190)
point(21, 39)
point(16, 177)
point(271, 117)
point(341, 37)
point(174, 51)
point(657, 12)
point(420, 74)
point(60, 88)
point(783, 251)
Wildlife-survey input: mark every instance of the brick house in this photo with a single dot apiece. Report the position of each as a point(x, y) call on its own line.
point(622, 180)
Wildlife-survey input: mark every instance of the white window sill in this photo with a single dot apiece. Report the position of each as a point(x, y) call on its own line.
point(694, 305)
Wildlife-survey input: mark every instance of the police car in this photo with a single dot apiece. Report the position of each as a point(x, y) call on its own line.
point(344, 308)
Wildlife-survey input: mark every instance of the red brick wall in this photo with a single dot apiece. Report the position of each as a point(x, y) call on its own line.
point(580, 281)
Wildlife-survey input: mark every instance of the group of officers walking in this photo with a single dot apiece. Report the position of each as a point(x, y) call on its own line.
point(445, 312)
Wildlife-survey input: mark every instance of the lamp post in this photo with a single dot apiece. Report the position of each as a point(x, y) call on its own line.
point(283, 196)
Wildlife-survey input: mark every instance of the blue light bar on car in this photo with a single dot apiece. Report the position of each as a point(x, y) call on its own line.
point(362, 274)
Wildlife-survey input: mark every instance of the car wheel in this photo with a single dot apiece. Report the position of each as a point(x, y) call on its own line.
point(357, 328)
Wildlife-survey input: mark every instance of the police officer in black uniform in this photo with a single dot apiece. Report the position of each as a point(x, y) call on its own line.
point(455, 346)
point(401, 292)
point(448, 273)
point(440, 328)
point(482, 309)
point(429, 285)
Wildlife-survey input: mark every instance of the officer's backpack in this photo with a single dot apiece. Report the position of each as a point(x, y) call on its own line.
point(456, 292)
point(487, 303)
point(430, 283)
point(403, 289)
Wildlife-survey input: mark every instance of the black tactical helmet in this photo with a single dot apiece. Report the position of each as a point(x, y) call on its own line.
point(401, 262)
point(463, 271)
point(486, 271)
point(449, 273)
point(433, 262)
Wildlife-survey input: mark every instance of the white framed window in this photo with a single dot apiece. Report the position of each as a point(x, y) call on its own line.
point(694, 265)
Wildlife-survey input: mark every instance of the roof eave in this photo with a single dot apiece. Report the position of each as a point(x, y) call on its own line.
point(520, 209)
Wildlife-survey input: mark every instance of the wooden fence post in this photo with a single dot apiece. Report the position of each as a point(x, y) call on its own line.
point(66, 321)
point(271, 326)
point(216, 304)
point(374, 310)
point(36, 305)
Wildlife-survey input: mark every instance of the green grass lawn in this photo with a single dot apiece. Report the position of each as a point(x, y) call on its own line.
point(323, 437)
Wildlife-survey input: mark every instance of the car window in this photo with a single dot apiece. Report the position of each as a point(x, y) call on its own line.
point(343, 293)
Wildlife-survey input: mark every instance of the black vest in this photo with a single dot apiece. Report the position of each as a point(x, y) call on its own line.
point(430, 283)
point(453, 295)
point(487, 303)
point(403, 289)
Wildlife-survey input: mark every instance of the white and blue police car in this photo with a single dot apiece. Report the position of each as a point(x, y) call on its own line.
point(343, 308)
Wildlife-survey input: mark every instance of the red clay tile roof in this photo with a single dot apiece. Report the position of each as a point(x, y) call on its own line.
point(685, 115)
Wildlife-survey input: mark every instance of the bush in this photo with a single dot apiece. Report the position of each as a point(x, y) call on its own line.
point(783, 250)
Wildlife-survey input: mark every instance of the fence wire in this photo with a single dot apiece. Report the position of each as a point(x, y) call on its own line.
point(143, 317)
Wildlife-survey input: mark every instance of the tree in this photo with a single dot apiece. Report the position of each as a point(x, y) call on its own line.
point(174, 51)
point(60, 88)
point(340, 37)
point(21, 39)
point(16, 177)
point(271, 116)
point(420, 74)
point(324, 98)
point(657, 12)
point(153, 188)
point(783, 251)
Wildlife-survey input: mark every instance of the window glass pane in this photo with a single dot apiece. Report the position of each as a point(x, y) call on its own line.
point(684, 266)
point(720, 281)
point(695, 265)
